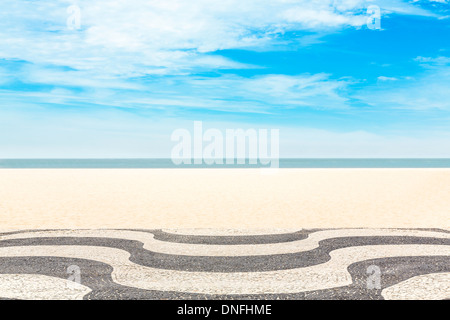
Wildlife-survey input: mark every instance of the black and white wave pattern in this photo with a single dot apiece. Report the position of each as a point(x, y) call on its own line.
point(225, 264)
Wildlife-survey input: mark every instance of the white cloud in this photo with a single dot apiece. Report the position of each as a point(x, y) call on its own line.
point(165, 42)
point(228, 93)
point(383, 78)
point(437, 61)
point(139, 37)
point(428, 90)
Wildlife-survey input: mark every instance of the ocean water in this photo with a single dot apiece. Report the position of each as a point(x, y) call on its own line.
point(167, 163)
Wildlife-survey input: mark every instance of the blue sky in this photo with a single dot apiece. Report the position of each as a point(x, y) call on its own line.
point(136, 70)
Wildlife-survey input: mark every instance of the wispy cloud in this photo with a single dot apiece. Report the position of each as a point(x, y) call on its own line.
point(436, 61)
point(136, 62)
point(427, 90)
point(383, 78)
point(139, 37)
point(228, 93)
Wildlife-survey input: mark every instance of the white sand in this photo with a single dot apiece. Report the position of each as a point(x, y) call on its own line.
point(224, 198)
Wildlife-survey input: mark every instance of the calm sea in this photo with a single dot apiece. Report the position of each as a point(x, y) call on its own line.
point(167, 163)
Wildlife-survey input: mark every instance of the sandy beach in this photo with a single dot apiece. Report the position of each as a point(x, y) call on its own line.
point(224, 198)
point(226, 234)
